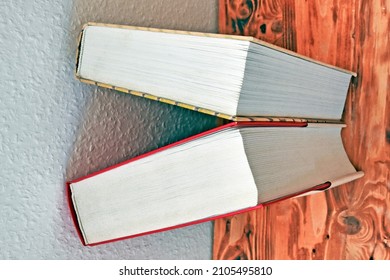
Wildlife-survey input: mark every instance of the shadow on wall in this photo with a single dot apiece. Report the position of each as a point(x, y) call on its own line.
point(118, 126)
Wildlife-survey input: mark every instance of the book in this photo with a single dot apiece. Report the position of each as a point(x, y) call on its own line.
point(233, 77)
point(234, 168)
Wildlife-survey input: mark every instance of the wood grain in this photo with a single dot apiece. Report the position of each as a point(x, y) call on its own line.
point(353, 220)
point(263, 19)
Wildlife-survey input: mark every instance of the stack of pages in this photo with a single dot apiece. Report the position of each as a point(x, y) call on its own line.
point(284, 139)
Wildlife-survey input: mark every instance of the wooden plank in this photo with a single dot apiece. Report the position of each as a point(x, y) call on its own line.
point(367, 140)
point(351, 221)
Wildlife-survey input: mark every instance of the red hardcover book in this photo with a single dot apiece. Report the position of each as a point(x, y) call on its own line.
point(225, 171)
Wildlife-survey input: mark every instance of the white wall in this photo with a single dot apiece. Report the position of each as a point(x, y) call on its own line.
point(53, 128)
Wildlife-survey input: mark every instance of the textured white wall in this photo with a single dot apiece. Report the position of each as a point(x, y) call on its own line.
point(53, 128)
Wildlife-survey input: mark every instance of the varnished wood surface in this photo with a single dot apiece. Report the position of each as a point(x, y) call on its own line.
point(353, 220)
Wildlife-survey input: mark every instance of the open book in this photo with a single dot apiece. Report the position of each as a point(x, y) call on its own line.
point(233, 168)
point(233, 77)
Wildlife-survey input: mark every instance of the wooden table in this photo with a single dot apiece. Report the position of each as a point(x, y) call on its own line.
point(353, 220)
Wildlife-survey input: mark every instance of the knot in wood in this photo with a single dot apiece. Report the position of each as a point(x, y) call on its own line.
point(353, 225)
point(277, 26)
point(248, 230)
